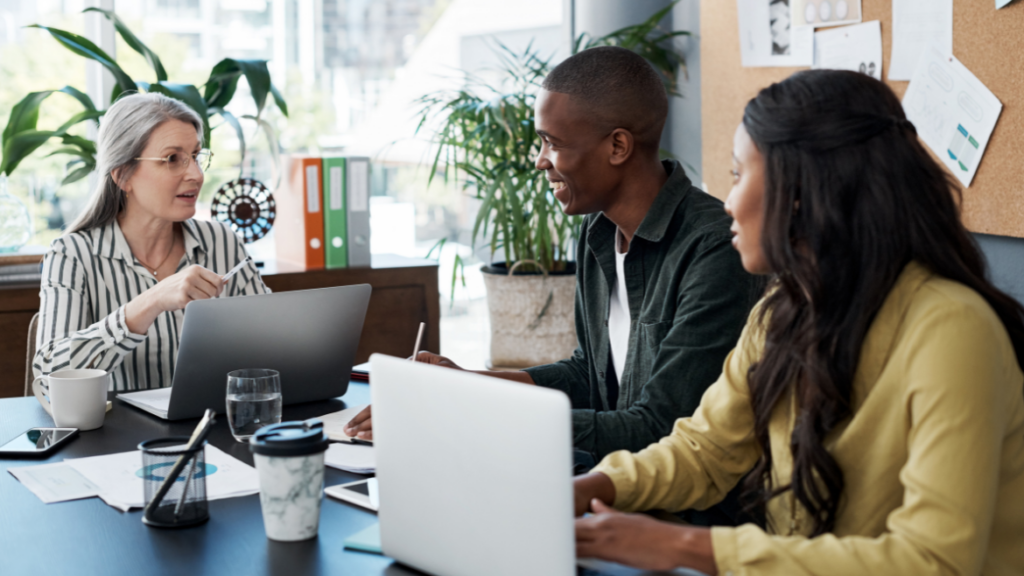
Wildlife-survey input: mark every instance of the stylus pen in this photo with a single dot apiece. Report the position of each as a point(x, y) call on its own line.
point(419, 339)
point(234, 271)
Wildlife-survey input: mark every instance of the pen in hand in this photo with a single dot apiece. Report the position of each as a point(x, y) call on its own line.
point(419, 340)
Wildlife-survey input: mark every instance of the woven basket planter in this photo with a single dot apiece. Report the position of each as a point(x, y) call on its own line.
point(532, 317)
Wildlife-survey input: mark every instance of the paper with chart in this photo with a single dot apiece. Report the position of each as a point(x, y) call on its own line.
point(917, 25)
point(954, 113)
point(857, 48)
point(820, 13)
point(119, 477)
point(55, 482)
point(768, 36)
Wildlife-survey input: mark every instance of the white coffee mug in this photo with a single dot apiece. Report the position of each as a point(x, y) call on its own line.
point(77, 398)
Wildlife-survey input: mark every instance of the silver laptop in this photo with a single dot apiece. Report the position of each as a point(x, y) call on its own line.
point(475, 475)
point(309, 336)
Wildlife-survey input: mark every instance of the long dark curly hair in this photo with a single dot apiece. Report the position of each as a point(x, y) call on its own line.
point(851, 197)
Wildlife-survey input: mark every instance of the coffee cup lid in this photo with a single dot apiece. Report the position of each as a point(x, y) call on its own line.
point(290, 439)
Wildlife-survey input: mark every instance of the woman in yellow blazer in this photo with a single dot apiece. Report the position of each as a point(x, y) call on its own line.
point(875, 396)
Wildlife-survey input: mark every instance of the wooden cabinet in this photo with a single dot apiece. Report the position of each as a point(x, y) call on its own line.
point(404, 294)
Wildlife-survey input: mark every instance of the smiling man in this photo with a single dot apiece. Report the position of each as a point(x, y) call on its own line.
point(661, 296)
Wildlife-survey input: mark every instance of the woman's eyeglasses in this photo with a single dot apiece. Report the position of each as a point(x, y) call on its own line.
point(178, 162)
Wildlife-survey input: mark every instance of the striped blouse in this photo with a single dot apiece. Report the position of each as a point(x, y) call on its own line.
point(89, 277)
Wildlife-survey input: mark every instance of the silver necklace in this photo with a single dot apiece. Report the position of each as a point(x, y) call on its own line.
point(153, 270)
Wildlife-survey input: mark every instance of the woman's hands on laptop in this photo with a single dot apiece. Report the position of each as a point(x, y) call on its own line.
point(172, 293)
point(634, 539)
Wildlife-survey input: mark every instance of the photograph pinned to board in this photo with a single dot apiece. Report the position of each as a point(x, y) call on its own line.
point(820, 13)
point(857, 48)
point(953, 112)
point(916, 25)
point(768, 37)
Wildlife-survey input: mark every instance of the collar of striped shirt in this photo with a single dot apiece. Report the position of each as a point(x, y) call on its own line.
point(109, 242)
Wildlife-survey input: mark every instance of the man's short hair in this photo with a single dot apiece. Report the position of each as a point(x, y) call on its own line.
point(618, 88)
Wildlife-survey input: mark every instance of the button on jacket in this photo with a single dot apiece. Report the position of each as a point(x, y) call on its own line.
point(89, 277)
point(688, 299)
point(932, 456)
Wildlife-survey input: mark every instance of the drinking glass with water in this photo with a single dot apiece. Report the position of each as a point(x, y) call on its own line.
point(253, 401)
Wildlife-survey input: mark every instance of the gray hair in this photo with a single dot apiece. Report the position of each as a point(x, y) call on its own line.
point(124, 133)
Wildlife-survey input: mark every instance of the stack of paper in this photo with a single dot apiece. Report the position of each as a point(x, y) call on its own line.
point(357, 458)
point(118, 478)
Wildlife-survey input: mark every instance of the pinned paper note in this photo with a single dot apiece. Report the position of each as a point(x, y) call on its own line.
point(857, 48)
point(1001, 3)
point(916, 25)
point(954, 113)
point(820, 13)
point(768, 36)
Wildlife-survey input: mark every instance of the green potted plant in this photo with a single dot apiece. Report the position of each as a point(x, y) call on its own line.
point(21, 136)
point(487, 141)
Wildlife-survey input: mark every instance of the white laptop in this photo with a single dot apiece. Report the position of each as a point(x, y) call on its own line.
point(474, 473)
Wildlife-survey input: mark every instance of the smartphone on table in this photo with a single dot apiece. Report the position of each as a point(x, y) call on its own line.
point(37, 442)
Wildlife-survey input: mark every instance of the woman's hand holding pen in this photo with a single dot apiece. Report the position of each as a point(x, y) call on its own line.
point(171, 293)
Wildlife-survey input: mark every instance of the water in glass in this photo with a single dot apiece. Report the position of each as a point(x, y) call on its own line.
point(253, 401)
point(247, 413)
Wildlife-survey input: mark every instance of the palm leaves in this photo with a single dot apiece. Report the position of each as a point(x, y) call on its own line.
point(21, 136)
point(487, 140)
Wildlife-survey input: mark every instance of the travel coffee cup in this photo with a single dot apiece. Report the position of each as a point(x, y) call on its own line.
point(290, 462)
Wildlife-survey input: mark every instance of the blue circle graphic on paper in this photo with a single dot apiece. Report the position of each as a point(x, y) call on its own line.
point(157, 472)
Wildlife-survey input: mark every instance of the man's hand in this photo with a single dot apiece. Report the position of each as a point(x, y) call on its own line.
point(642, 542)
point(361, 426)
point(431, 358)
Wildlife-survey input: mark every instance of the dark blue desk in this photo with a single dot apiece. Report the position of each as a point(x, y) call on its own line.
point(87, 537)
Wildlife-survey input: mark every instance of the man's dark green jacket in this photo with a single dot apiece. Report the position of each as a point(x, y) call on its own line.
point(689, 298)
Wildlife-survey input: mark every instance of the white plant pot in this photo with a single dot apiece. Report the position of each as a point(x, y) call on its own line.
point(532, 318)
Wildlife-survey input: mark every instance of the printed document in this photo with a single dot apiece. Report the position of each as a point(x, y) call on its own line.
point(953, 112)
point(768, 36)
point(916, 25)
point(119, 477)
point(857, 48)
point(56, 482)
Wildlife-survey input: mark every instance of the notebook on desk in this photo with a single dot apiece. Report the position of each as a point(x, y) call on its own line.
point(309, 336)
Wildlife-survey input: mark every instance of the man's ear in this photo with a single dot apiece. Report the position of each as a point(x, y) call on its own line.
point(623, 146)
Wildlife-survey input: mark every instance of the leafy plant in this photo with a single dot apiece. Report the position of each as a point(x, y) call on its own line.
point(487, 140)
point(21, 137)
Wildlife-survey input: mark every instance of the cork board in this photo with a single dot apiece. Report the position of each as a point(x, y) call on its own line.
point(989, 42)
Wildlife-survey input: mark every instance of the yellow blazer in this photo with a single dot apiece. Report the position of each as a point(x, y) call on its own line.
point(933, 455)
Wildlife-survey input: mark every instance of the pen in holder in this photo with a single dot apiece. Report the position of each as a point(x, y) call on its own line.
point(184, 503)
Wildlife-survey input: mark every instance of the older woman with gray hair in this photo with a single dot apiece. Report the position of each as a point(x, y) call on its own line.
point(115, 285)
